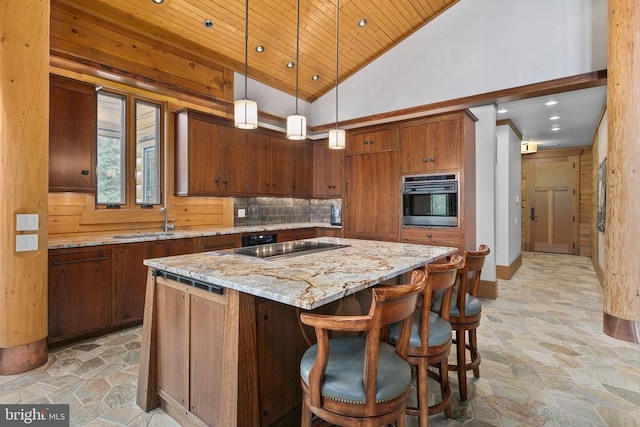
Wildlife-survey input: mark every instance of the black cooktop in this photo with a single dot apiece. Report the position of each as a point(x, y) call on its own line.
point(286, 249)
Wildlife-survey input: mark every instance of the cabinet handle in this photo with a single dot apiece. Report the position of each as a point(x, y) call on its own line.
point(425, 160)
point(366, 142)
point(429, 235)
point(85, 172)
point(217, 181)
point(225, 182)
point(76, 261)
point(432, 159)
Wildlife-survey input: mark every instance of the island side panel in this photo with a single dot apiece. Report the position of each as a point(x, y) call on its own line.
point(248, 374)
point(147, 395)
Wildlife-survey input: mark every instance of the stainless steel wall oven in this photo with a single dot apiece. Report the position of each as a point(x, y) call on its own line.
point(430, 200)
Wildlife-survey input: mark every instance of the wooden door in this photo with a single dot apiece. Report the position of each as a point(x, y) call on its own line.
point(370, 206)
point(279, 171)
point(234, 161)
point(443, 144)
point(327, 171)
point(204, 156)
point(301, 169)
point(72, 135)
point(79, 293)
point(552, 213)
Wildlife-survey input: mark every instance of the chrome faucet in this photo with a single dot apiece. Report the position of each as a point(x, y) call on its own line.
point(166, 226)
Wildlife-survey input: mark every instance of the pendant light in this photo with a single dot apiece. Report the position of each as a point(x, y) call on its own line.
point(245, 111)
point(297, 124)
point(337, 137)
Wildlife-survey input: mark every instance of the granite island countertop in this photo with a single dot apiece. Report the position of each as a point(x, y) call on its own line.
point(63, 241)
point(306, 281)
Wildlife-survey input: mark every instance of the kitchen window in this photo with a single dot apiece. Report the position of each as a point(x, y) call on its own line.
point(128, 151)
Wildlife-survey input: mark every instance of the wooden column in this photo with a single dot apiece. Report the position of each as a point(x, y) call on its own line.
point(622, 230)
point(24, 128)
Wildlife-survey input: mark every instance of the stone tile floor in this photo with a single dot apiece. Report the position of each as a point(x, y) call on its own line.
point(545, 362)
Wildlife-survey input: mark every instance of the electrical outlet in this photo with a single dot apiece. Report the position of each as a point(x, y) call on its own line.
point(26, 242)
point(241, 213)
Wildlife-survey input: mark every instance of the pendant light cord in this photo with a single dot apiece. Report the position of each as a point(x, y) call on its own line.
point(337, 28)
point(297, 49)
point(246, 47)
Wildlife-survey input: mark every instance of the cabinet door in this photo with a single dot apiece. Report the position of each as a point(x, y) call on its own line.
point(79, 293)
point(206, 149)
point(72, 135)
point(233, 166)
point(371, 199)
point(444, 141)
point(301, 159)
point(327, 171)
point(258, 164)
point(131, 278)
point(296, 234)
point(372, 140)
point(431, 146)
point(279, 172)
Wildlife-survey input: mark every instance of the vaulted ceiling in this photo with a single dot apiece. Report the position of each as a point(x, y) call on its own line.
point(272, 24)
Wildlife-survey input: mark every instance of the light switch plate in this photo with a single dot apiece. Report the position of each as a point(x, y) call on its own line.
point(26, 242)
point(26, 222)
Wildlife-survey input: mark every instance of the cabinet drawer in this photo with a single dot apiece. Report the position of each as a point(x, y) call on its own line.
point(431, 236)
point(216, 243)
point(296, 234)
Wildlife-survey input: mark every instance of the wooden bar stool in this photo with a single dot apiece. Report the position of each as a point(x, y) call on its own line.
point(430, 340)
point(361, 380)
point(466, 310)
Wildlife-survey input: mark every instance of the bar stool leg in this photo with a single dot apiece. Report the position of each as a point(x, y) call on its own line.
point(473, 349)
point(422, 386)
point(462, 363)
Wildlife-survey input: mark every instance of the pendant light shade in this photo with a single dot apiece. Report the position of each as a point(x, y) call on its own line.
point(296, 123)
point(296, 127)
point(337, 137)
point(245, 114)
point(245, 111)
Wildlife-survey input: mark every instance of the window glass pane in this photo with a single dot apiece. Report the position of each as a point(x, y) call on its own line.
point(111, 161)
point(147, 153)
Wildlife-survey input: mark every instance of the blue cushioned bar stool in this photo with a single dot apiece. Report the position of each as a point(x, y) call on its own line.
point(361, 380)
point(466, 310)
point(430, 340)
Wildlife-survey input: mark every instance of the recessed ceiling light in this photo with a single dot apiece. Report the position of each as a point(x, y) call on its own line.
point(502, 111)
point(158, 1)
point(315, 77)
point(362, 23)
point(554, 118)
point(290, 65)
point(208, 23)
point(259, 48)
point(551, 103)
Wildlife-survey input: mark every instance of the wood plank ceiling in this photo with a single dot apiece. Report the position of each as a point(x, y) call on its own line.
point(272, 24)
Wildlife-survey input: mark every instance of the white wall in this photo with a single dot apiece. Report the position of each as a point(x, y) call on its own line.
point(508, 196)
point(473, 48)
point(486, 185)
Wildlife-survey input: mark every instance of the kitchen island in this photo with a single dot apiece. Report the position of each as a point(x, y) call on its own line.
point(221, 339)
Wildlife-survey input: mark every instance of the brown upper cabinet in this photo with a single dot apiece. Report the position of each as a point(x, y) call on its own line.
point(301, 157)
point(431, 144)
point(327, 171)
point(211, 155)
point(375, 139)
point(268, 166)
point(72, 135)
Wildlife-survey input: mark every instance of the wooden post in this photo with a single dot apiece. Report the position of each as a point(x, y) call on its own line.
point(24, 130)
point(622, 231)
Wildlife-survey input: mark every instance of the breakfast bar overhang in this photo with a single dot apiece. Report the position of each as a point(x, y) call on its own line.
point(221, 341)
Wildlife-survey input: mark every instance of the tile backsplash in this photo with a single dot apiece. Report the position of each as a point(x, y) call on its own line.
point(276, 210)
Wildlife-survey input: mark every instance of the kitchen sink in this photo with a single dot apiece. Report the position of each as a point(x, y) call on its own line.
point(142, 234)
point(281, 250)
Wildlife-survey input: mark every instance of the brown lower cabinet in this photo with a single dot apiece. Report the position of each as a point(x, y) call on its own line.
point(80, 293)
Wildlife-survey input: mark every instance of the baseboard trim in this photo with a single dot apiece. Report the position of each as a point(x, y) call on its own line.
point(507, 272)
point(488, 289)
